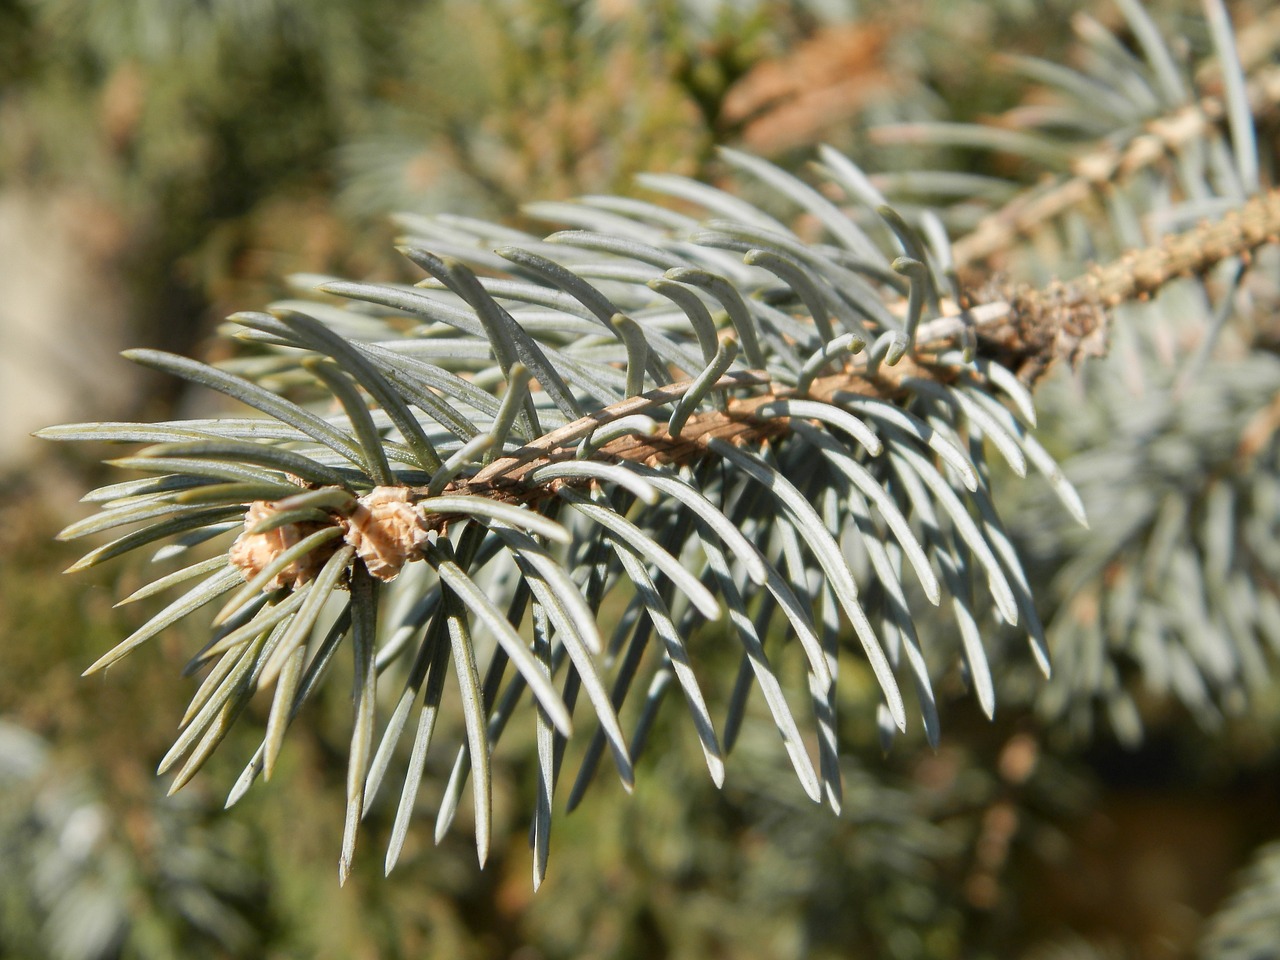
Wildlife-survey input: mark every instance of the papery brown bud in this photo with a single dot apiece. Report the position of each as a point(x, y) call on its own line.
point(251, 552)
point(387, 531)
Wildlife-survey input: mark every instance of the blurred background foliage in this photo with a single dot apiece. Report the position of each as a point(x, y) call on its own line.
point(169, 162)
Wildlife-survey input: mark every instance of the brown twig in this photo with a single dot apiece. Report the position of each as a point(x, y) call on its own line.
point(1069, 320)
point(1023, 329)
point(1100, 170)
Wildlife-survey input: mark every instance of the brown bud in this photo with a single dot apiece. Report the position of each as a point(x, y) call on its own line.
point(387, 531)
point(251, 552)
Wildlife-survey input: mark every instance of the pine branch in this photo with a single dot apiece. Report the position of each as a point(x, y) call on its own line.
point(496, 461)
point(1098, 172)
point(293, 542)
point(1069, 320)
point(1026, 330)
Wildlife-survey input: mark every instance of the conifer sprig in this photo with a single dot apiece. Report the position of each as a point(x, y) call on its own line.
point(700, 414)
